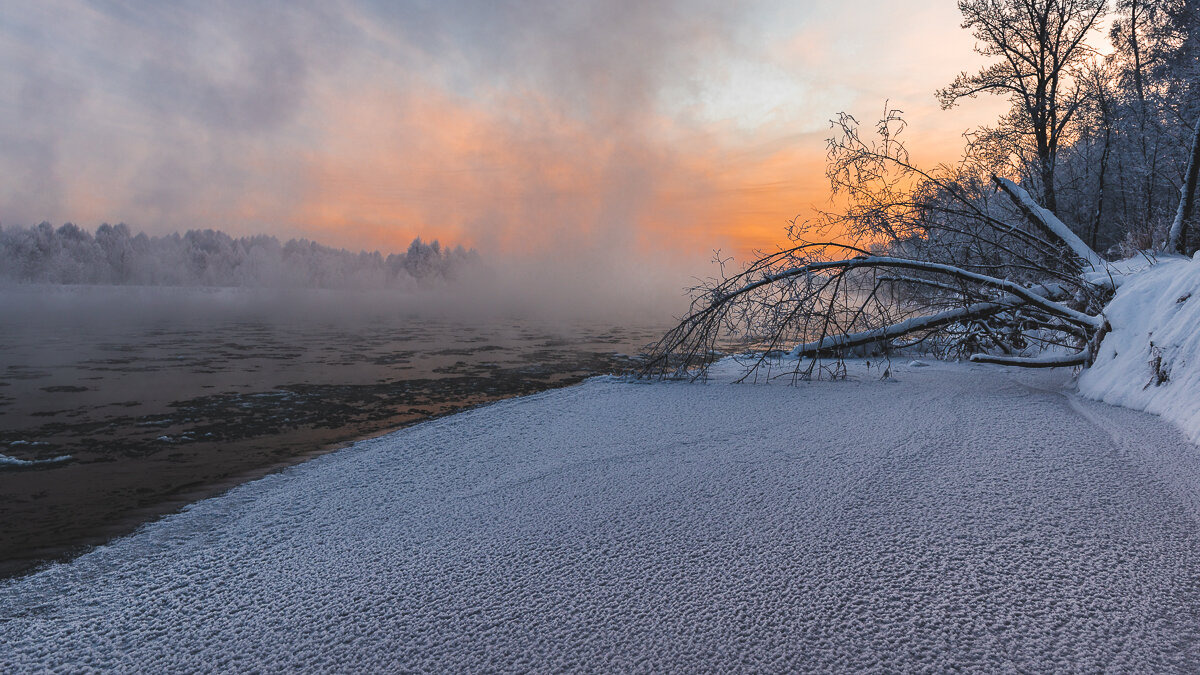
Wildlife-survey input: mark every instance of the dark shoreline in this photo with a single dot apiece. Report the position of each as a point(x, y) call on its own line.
point(58, 512)
point(164, 396)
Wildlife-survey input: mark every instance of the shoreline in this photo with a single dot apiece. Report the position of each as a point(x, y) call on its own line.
point(52, 524)
point(171, 396)
point(926, 521)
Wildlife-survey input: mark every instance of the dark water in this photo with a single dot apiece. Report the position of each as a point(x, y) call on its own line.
point(162, 396)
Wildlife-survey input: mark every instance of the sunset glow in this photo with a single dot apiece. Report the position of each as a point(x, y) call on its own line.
point(526, 128)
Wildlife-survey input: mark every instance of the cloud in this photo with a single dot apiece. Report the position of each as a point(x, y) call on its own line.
point(583, 131)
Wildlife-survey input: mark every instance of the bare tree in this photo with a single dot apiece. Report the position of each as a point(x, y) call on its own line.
point(1040, 45)
point(964, 263)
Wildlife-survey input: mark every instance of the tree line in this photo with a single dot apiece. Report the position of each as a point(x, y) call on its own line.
point(1104, 142)
point(115, 255)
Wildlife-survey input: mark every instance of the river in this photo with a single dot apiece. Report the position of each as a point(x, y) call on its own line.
point(118, 405)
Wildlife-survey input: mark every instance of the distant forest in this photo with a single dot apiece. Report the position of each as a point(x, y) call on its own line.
point(114, 255)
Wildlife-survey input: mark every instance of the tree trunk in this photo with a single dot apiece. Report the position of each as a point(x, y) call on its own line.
point(1049, 223)
point(1100, 185)
point(1048, 195)
point(1045, 152)
point(1177, 237)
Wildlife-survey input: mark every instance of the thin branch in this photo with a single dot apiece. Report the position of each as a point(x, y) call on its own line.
point(977, 310)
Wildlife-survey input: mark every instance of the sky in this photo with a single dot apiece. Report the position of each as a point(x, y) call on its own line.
point(639, 130)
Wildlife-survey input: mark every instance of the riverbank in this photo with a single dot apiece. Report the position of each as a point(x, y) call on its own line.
point(55, 511)
point(154, 398)
point(949, 517)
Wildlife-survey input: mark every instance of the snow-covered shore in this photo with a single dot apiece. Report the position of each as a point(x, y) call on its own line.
point(1151, 359)
point(961, 516)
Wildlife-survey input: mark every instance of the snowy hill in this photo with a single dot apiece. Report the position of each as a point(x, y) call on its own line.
point(1151, 359)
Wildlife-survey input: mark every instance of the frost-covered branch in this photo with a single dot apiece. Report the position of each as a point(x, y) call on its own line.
point(923, 323)
point(835, 305)
point(1080, 358)
point(931, 258)
point(1049, 222)
point(1021, 292)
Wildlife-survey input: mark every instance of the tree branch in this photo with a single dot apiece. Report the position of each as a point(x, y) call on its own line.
point(1025, 294)
point(1049, 222)
point(1049, 361)
point(974, 311)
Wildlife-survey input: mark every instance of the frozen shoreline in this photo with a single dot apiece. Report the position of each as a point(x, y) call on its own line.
point(959, 516)
point(162, 396)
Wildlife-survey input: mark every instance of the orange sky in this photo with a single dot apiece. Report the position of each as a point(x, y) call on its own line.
point(433, 165)
point(662, 129)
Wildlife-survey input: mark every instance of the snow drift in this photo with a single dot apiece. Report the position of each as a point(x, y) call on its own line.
point(1151, 358)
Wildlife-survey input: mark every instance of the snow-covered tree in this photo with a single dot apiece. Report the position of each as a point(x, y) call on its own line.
point(1039, 48)
point(113, 255)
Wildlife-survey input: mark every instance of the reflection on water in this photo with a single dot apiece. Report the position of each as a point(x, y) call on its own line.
point(163, 395)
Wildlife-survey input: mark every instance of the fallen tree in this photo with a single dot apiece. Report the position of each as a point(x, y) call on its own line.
point(933, 258)
point(959, 261)
point(962, 260)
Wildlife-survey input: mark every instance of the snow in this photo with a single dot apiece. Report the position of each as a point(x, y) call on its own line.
point(1114, 273)
point(1050, 358)
point(1155, 318)
point(956, 517)
point(6, 461)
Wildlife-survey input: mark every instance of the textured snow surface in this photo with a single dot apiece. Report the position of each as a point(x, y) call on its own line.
point(1155, 319)
point(958, 517)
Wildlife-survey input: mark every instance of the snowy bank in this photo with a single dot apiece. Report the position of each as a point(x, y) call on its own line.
point(1151, 359)
point(952, 518)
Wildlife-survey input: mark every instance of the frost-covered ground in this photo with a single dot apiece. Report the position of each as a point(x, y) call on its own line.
point(959, 517)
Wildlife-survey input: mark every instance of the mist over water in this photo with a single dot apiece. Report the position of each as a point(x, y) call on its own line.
point(163, 395)
point(573, 282)
point(160, 344)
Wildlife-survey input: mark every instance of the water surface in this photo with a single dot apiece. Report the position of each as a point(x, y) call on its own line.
point(162, 396)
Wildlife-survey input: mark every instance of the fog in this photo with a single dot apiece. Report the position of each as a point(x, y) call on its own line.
point(571, 144)
point(69, 276)
point(527, 130)
point(114, 255)
point(500, 125)
point(592, 152)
